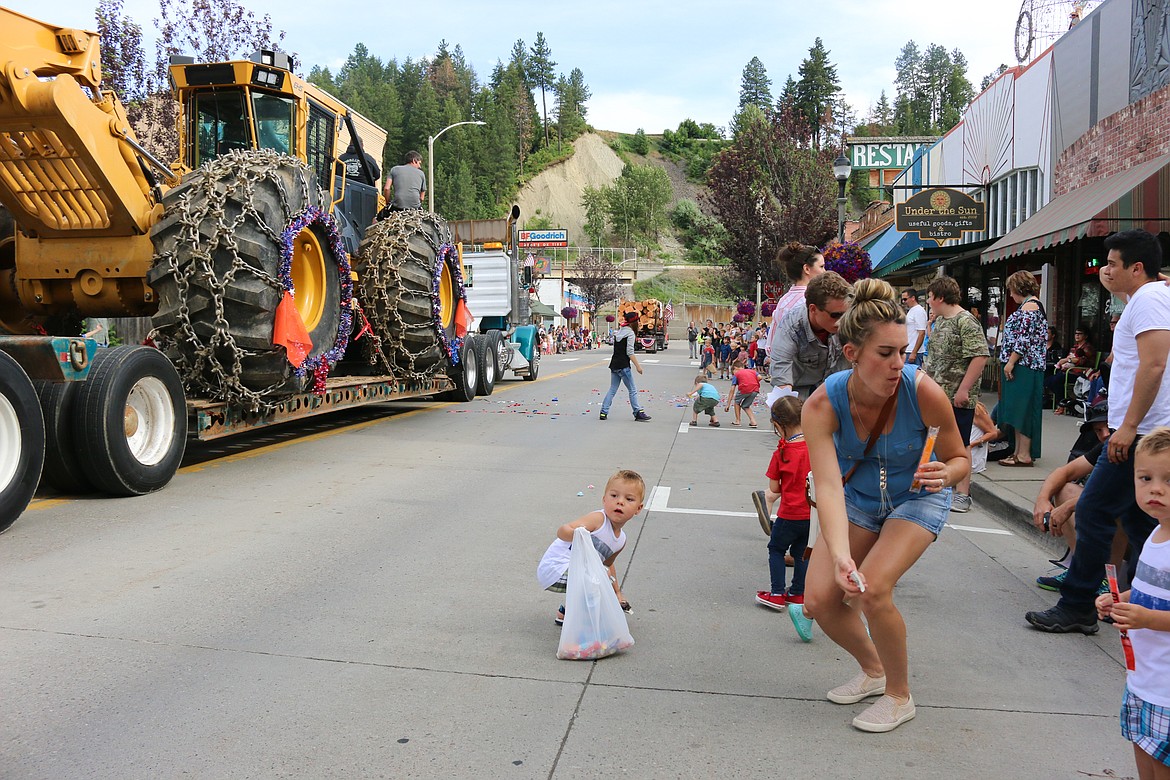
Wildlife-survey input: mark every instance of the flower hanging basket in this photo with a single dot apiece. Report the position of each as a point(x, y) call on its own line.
point(738, 318)
point(569, 313)
point(767, 308)
point(746, 308)
point(610, 318)
point(849, 260)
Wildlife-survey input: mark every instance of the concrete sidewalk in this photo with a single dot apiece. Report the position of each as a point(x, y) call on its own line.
point(1010, 493)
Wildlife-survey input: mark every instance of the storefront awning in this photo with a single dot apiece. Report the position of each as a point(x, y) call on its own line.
point(888, 269)
point(543, 309)
point(1135, 198)
point(895, 250)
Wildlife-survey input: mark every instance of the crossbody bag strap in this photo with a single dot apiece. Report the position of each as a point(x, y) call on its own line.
point(883, 417)
point(877, 429)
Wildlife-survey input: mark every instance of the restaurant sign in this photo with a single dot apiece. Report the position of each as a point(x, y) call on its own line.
point(940, 214)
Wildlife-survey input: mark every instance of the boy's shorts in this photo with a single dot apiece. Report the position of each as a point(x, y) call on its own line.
point(745, 400)
point(561, 585)
point(1147, 726)
point(705, 405)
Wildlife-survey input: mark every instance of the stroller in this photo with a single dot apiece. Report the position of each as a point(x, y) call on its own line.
point(1086, 395)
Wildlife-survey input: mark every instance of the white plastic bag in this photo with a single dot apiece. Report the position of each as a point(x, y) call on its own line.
point(595, 625)
point(814, 520)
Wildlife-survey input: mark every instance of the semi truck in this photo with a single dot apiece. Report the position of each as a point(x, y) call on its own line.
point(272, 292)
point(498, 290)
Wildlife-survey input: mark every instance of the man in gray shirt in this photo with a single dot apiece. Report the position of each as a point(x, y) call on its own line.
point(406, 186)
point(805, 347)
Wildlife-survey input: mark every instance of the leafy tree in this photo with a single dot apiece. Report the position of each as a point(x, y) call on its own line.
point(639, 143)
point(755, 88)
point(538, 221)
point(542, 70)
point(595, 203)
point(636, 204)
point(991, 77)
point(770, 187)
point(787, 99)
point(123, 58)
point(815, 92)
point(599, 282)
point(209, 30)
point(881, 116)
point(932, 88)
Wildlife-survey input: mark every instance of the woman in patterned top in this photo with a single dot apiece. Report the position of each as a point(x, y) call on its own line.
point(1022, 352)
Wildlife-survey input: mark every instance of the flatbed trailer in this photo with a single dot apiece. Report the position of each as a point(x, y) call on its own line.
point(210, 420)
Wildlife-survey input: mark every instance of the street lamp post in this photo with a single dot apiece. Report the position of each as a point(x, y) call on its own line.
point(431, 157)
point(841, 169)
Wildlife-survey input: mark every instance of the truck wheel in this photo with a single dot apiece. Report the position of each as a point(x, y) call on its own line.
point(62, 461)
point(219, 247)
point(534, 366)
point(487, 358)
point(130, 421)
point(410, 286)
point(22, 440)
point(465, 374)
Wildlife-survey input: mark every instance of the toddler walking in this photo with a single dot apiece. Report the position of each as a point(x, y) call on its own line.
point(1144, 613)
point(787, 476)
point(706, 397)
point(624, 493)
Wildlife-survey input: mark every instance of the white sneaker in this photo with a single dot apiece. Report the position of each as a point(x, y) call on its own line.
point(885, 714)
point(860, 687)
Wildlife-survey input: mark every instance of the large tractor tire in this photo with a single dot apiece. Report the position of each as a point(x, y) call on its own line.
point(487, 362)
point(63, 469)
point(235, 234)
point(410, 286)
point(130, 421)
point(22, 440)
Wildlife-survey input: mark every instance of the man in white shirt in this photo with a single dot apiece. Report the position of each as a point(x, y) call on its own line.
point(915, 327)
point(1139, 401)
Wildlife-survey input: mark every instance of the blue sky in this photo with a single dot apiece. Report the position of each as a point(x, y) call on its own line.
point(649, 63)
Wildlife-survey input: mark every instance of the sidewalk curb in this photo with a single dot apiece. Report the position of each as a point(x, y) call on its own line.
point(1013, 512)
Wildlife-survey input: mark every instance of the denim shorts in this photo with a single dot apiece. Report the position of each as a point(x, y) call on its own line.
point(929, 510)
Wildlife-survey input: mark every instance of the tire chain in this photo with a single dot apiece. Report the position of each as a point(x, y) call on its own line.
point(232, 176)
point(389, 238)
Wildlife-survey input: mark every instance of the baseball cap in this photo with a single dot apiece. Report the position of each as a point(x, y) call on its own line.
point(631, 316)
point(1099, 413)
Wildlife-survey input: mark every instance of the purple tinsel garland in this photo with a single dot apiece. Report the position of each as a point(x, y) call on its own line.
point(447, 255)
point(319, 365)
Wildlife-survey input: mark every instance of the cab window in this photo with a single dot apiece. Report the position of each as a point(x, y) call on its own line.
point(219, 124)
point(274, 122)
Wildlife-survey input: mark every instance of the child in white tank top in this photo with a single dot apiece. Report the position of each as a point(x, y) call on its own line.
point(624, 493)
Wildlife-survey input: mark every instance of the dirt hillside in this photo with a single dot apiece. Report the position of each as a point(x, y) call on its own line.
point(556, 192)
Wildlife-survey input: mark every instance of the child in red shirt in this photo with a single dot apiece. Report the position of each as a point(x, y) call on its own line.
point(787, 476)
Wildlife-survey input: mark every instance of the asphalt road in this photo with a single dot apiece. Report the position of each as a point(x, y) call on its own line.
point(361, 602)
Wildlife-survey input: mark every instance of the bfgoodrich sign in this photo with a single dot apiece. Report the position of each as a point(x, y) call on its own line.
point(940, 214)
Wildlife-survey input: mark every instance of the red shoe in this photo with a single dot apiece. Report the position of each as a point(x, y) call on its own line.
point(793, 599)
point(774, 600)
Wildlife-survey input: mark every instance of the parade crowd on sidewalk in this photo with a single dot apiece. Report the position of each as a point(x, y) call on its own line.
point(886, 386)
